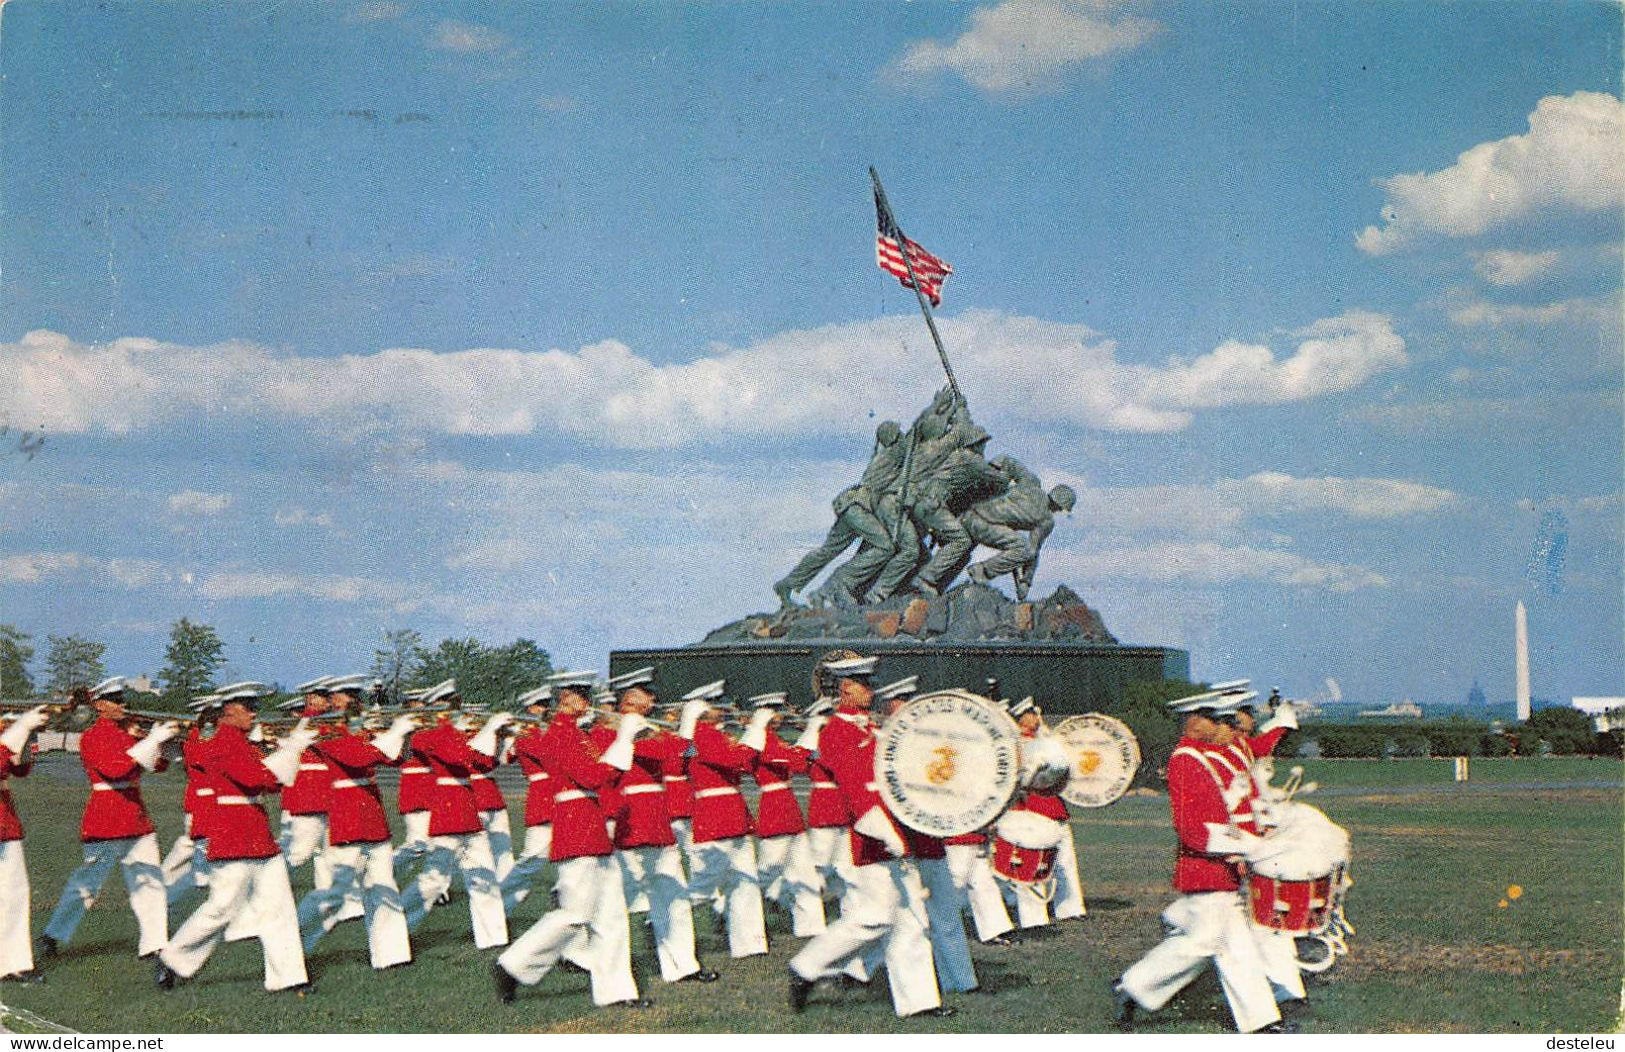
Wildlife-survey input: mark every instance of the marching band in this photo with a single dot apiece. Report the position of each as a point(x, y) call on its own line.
point(636, 812)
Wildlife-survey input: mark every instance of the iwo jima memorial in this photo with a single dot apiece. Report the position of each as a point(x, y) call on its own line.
point(904, 534)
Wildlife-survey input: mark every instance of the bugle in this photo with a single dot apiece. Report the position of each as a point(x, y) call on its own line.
point(58, 714)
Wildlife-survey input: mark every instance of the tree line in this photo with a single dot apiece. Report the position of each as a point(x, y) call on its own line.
point(485, 673)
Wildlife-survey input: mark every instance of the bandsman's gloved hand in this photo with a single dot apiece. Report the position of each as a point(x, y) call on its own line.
point(619, 753)
point(755, 736)
point(692, 711)
point(393, 740)
point(145, 751)
point(256, 734)
point(15, 738)
point(875, 825)
point(283, 762)
point(809, 734)
point(485, 741)
point(1283, 716)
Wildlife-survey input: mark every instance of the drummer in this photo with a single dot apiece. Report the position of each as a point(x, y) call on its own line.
point(1032, 910)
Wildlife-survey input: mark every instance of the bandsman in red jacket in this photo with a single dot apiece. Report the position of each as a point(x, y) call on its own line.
point(455, 833)
point(246, 868)
point(363, 862)
point(412, 801)
point(186, 866)
point(525, 753)
point(590, 921)
point(828, 823)
point(783, 856)
point(116, 829)
point(489, 802)
point(885, 907)
point(1208, 922)
point(724, 858)
point(16, 760)
point(1032, 910)
point(645, 846)
point(303, 836)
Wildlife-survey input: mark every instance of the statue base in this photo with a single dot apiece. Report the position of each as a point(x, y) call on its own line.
point(1056, 649)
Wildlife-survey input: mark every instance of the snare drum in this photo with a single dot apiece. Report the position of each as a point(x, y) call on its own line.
point(1025, 846)
point(1301, 907)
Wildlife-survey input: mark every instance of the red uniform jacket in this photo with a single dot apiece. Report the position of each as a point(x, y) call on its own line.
point(777, 812)
point(11, 828)
point(574, 771)
point(240, 827)
point(609, 801)
point(1235, 765)
point(312, 787)
point(1264, 744)
point(966, 840)
point(417, 781)
point(641, 815)
point(451, 806)
point(114, 810)
point(1196, 797)
point(355, 808)
point(487, 794)
point(527, 753)
point(199, 800)
point(679, 793)
point(715, 771)
point(825, 806)
point(847, 746)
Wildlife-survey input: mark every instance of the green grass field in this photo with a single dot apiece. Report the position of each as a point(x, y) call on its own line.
point(1436, 950)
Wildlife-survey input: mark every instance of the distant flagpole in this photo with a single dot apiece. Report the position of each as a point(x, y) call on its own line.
point(914, 281)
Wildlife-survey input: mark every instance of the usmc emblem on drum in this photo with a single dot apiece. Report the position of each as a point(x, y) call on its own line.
point(1104, 756)
point(947, 762)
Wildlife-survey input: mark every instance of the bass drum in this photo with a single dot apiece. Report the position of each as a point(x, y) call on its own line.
point(947, 762)
point(1103, 755)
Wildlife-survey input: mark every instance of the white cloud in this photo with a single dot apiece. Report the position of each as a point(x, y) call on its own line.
point(39, 567)
point(1272, 492)
point(302, 517)
point(376, 11)
point(1581, 410)
point(794, 384)
point(465, 38)
point(1023, 47)
point(1506, 267)
point(192, 502)
point(263, 585)
point(1205, 563)
point(1580, 311)
point(1572, 158)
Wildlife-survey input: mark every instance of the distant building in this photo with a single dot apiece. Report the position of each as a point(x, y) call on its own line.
point(1475, 697)
point(1607, 714)
point(1406, 709)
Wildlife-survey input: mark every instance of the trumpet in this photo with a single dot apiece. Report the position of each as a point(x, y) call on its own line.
point(185, 719)
point(59, 714)
point(608, 712)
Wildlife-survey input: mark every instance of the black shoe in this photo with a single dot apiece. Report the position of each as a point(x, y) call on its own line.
point(1293, 1007)
point(1280, 1026)
point(506, 985)
point(799, 989)
point(1003, 940)
point(47, 948)
point(303, 990)
point(33, 975)
point(165, 977)
point(1123, 1006)
point(633, 1003)
point(939, 1012)
point(150, 955)
point(704, 975)
point(409, 962)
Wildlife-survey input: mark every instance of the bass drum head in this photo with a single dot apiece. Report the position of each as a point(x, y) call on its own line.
point(948, 762)
point(1104, 755)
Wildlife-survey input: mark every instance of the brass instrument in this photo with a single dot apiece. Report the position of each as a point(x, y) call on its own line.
point(59, 714)
point(185, 719)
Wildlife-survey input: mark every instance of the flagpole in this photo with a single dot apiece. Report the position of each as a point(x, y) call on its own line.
point(925, 306)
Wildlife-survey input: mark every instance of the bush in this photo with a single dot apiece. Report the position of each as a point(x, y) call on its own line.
point(1495, 745)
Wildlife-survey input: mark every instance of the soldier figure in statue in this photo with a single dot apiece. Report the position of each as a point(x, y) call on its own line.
point(949, 474)
point(1016, 523)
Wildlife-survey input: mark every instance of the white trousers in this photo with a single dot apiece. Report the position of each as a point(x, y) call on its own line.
point(470, 853)
point(414, 843)
point(657, 874)
point(949, 947)
point(143, 877)
point(500, 835)
point(1068, 904)
point(973, 879)
point(517, 884)
point(1280, 952)
point(366, 870)
point(590, 903)
point(831, 851)
point(16, 951)
point(304, 839)
point(884, 910)
point(729, 866)
point(1210, 926)
point(785, 868)
point(257, 884)
point(187, 864)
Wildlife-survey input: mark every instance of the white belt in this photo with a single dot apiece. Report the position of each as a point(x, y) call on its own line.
point(705, 794)
point(770, 786)
point(573, 794)
point(205, 792)
point(540, 776)
point(112, 785)
point(825, 785)
point(871, 787)
point(232, 800)
point(352, 783)
point(640, 790)
point(313, 767)
point(414, 770)
point(451, 781)
point(674, 778)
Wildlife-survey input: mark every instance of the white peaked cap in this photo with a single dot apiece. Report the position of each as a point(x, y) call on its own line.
point(852, 668)
point(574, 680)
point(907, 685)
point(348, 684)
point(709, 692)
point(640, 677)
point(315, 686)
point(820, 707)
point(772, 700)
point(1234, 684)
point(111, 685)
point(1024, 706)
point(440, 691)
point(533, 697)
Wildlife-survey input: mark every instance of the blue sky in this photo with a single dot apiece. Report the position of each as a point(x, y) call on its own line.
point(561, 320)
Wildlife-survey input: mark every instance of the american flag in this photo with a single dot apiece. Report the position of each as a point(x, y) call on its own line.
point(930, 270)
